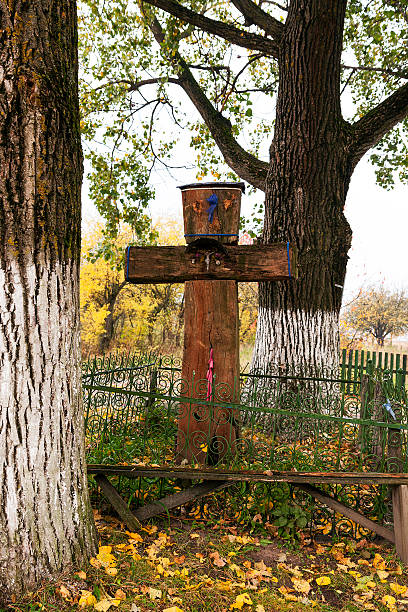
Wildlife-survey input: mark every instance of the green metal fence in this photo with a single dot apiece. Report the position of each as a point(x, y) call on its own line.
point(300, 420)
point(285, 422)
point(354, 363)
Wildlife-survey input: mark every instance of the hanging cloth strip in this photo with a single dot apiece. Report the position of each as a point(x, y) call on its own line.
point(213, 202)
point(210, 374)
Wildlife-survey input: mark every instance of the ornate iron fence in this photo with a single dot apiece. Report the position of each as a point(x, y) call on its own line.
point(299, 420)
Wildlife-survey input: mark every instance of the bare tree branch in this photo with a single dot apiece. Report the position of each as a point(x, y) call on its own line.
point(255, 15)
point(134, 86)
point(402, 74)
point(247, 166)
point(280, 6)
point(234, 82)
point(218, 28)
point(369, 130)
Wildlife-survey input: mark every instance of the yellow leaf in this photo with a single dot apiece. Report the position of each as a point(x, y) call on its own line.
point(323, 580)
point(389, 601)
point(135, 536)
point(259, 608)
point(240, 602)
point(86, 599)
point(238, 571)
point(103, 605)
point(120, 594)
point(111, 571)
point(224, 586)
point(173, 609)
point(399, 589)
point(378, 562)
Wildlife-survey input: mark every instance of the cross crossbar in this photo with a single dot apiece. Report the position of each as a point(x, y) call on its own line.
point(249, 263)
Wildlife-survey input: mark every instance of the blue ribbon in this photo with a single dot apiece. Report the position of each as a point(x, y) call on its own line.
point(287, 249)
point(213, 202)
point(388, 408)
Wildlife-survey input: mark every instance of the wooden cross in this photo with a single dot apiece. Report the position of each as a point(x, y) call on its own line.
point(210, 266)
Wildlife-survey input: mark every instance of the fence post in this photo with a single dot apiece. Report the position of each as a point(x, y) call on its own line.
point(400, 512)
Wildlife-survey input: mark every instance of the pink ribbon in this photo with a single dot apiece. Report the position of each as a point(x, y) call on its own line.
point(210, 376)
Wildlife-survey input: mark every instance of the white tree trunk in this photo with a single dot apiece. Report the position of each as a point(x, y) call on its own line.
point(302, 340)
point(45, 519)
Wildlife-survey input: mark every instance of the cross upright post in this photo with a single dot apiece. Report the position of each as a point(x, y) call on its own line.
point(210, 265)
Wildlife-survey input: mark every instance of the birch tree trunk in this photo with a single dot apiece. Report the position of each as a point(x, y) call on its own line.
point(45, 515)
point(306, 188)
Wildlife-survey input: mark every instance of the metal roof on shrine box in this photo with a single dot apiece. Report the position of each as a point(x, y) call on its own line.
point(215, 185)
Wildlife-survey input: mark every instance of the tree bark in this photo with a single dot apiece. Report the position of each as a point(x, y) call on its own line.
point(45, 516)
point(306, 190)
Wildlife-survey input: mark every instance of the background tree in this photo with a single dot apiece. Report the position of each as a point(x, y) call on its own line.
point(235, 62)
point(45, 517)
point(379, 313)
point(115, 313)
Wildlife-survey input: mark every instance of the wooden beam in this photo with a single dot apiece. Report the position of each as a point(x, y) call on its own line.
point(364, 478)
point(355, 516)
point(179, 499)
point(400, 512)
point(242, 263)
point(117, 502)
point(211, 318)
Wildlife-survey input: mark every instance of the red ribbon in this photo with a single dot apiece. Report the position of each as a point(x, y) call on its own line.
point(210, 376)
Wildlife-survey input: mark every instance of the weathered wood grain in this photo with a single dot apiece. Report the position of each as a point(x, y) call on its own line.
point(400, 512)
point(226, 215)
point(179, 499)
point(117, 502)
point(364, 478)
point(243, 263)
point(210, 321)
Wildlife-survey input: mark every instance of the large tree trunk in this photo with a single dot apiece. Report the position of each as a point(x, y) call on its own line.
point(306, 191)
point(45, 515)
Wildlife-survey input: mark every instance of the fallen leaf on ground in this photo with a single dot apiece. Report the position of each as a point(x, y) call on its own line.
point(300, 585)
point(389, 601)
point(155, 593)
point(81, 575)
point(134, 536)
point(323, 580)
point(63, 591)
point(241, 601)
point(87, 599)
point(216, 559)
point(399, 589)
point(104, 604)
